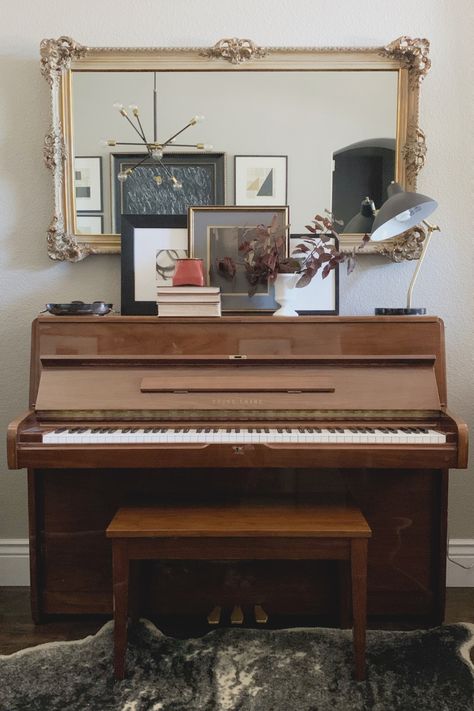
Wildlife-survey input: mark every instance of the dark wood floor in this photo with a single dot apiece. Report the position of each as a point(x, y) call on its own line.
point(18, 631)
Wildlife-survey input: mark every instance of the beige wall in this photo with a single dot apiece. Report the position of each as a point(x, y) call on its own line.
point(28, 279)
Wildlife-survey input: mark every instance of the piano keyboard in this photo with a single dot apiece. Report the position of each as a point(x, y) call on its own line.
point(239, 435)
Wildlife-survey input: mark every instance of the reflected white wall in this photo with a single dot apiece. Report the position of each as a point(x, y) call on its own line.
point(304, 115)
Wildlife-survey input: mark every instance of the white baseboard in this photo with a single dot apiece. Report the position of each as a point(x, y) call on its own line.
point(14, 562)
point(460, 569)
point(15, 570)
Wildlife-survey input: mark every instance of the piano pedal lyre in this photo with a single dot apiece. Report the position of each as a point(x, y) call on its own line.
point(214, 617)
point(237, 615)
point(261, 617)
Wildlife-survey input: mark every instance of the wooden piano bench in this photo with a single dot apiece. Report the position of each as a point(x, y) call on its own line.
point(331, 529)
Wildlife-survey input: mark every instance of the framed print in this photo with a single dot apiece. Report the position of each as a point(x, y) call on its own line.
point(151, 244)
point(321, 296)
point(202, 176)
point(260, 180)
point(88, 183)
point(217, 233)
point(90, 224)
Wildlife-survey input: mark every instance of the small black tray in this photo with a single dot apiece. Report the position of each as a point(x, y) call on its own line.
point(79, 308)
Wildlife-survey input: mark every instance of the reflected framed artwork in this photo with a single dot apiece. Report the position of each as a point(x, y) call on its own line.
point(261, 180)
point(151, 244)
point(321, 296)
point(88, 183)
point(90, 224)
point(218, 233)
point(149, 188)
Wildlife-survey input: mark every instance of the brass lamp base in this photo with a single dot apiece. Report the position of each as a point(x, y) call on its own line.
point(400, 312)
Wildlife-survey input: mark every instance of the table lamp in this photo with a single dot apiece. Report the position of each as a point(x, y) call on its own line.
point(401, 211)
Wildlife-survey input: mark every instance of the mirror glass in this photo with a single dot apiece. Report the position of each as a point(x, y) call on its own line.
point(337, 128)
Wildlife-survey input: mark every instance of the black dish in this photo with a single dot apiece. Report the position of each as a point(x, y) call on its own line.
point(79, 308)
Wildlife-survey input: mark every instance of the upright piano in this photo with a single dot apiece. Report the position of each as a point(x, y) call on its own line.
point(145, 409)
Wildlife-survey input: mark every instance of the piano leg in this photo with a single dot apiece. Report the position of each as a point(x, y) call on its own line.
point(34, 525)
point(345, 599)
point(359, 602)
point(135, 588)
point(120, 586)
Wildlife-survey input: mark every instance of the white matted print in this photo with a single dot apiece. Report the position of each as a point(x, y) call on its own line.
point(260, 180)
point(90, 224)
point(88, 183)
point(321, 296)
point(156, 250)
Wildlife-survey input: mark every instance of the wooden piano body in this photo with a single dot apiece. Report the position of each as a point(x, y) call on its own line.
point(359, 371)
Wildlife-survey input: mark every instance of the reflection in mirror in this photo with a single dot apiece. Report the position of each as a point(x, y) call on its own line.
point(338, 129)
point(362, 171)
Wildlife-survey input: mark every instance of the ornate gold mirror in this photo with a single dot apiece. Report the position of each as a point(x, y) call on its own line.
point(345, 119)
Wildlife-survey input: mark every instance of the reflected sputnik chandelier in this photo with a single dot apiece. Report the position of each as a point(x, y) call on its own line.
point(155, 149)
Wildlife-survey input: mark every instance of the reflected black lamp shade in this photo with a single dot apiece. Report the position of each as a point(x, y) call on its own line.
point(363, 221)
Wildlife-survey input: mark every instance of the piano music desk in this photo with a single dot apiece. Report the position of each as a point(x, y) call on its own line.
point(329, 528)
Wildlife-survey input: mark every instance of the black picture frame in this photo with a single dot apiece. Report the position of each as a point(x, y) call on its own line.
point(130, 305)
point(96, 216)
point(139, 195)
point(312, 289)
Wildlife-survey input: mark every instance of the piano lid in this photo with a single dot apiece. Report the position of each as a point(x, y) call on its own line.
point(223, 387)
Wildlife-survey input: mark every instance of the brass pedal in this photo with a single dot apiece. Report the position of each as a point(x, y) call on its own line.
point(237, 616)
point(261, 616)
point(214, 617)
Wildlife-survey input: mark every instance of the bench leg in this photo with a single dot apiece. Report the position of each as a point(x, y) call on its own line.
point(359, 602)
point(120, 581)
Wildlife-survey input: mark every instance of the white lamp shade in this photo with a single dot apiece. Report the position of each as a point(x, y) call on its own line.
point(401, 211)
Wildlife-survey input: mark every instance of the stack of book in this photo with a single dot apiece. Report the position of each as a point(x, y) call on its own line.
point(188, 300)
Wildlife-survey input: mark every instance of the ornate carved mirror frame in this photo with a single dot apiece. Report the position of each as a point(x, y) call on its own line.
point(60, 57)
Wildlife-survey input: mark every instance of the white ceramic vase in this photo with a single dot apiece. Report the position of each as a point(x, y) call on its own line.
point(285, 294)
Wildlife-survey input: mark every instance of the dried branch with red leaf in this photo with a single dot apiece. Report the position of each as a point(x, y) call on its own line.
point(263, 254)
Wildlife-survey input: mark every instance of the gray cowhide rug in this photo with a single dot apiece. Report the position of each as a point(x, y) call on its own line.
point(245, 670)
